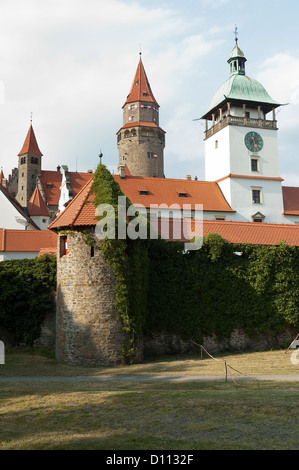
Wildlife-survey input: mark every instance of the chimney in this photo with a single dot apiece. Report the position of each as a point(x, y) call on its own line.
point(188, 177)
point(121, 171)
point(89, 171)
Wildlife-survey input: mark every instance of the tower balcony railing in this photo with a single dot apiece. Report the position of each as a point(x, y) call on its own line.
point(242, 122)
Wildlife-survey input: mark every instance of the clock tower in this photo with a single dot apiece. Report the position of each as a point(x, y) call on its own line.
point(241, 147)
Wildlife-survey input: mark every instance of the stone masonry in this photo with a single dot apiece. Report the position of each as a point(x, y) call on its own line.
point(88, 331)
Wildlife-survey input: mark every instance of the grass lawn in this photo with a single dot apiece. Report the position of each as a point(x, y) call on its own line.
point(150, 415)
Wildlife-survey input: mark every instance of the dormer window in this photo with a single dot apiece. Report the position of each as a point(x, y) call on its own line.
point(181, 194)
point(143, 192)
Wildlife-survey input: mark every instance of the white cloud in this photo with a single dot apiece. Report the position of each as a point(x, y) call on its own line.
point(279, 75)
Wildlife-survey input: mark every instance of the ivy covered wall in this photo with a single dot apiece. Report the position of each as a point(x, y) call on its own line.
point(221, 288)
point(211, 291)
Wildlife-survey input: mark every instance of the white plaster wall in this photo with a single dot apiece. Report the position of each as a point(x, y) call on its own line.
point(41, 221)
point(241, 199)
point(240, 155)
point(10, 217)
point(217, 160)
point(232, 156)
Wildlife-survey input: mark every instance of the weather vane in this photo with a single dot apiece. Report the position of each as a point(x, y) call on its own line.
point(236, 33)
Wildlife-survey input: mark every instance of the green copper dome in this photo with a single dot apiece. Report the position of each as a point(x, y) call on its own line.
point(239, 88)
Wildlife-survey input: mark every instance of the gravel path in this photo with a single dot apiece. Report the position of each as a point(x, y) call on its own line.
point(146, 378)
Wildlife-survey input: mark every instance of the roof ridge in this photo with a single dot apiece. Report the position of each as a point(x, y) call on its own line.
point(243, 222)
point(73, 201)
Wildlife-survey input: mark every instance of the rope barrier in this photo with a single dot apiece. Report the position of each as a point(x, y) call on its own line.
point(227, 366)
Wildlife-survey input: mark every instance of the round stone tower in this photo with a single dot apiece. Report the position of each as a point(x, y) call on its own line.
point(89, 331)
point(141, 140)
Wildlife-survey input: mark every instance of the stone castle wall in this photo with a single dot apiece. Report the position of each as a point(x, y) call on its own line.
point(87, 329)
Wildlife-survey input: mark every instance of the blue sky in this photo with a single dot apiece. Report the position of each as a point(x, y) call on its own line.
point(72, 62)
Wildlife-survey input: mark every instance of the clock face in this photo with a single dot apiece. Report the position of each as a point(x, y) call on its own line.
point(253, 141)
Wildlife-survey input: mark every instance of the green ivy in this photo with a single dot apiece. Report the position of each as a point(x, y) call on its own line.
point(211, 291)
point(127, 260)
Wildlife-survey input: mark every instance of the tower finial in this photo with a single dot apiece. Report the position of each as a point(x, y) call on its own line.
point(31, 118)
point(140, 50)
point(236, 33)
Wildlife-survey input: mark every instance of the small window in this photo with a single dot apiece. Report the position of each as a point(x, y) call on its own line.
point(182, 194)
point(92, 251)
point(62, 246)
point(256, 196)
point(247, 114)
point(254, 164)
point(152, 155)
point(258, 217)
point(143, 192)
point(219, 218)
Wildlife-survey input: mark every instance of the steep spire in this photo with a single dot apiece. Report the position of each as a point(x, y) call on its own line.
point(1, 176)
point(140, 89)
point(30, 145)
point(36, 205)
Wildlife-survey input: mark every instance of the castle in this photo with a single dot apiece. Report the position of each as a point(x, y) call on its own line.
point(242, 199)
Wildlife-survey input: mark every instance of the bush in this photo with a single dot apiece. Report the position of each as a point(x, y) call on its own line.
point(26, 295)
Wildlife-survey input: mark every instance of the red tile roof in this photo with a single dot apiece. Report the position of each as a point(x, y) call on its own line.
point(159, 189)
point(290, 200)
point(244, 232)
point(81, 213)
point(27, 240)
point(140, 89)
point(30, 144)
point(51, 181)
point(36, 205)
point(166, 191)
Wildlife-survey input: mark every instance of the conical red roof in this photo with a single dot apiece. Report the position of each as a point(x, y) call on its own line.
point(37, 206)
point(140, 89)
point(30, 144)
point(1, 176)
